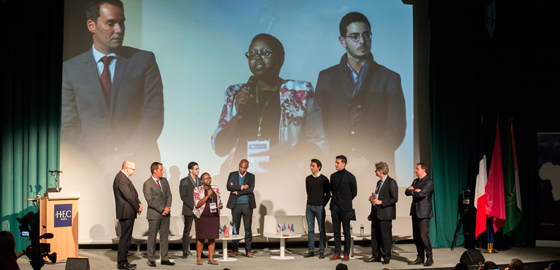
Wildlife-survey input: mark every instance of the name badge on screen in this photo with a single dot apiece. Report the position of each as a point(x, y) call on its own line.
point(256, 155)
point(213, 207)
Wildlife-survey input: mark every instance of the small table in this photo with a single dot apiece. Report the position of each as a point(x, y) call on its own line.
point(282, 245)
point(353, 236)
point(224, 245)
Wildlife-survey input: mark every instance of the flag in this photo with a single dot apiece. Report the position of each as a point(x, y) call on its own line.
point(480, 193)
point(292, 228)
point(225, 230)
point(284, 227)
point(511, 187)
point(233, 229)
point(495, 201)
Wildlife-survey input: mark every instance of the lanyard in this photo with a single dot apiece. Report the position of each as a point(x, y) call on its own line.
point(264, 107)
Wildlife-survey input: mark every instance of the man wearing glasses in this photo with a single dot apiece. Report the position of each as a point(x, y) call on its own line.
point(362, 101)
point(127, 207)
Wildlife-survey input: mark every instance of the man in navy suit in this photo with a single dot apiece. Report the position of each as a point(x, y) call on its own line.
point(343, 190)
point(421, 191)
point(242, 202)
point(383, 212)
point(112, 96)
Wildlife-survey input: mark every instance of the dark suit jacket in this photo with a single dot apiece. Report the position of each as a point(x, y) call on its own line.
point(134, 118)
point(345, 192)
point(233, 185)
point(157, 198)
point(127, 203)
point(388, 195)
point(421, 201)
point(186, 191)
point(381, 125)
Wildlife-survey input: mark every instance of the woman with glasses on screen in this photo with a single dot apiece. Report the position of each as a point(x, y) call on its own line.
point(268, 119)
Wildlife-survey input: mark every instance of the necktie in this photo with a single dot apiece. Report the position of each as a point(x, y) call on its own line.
point(105, 78)
point(158, 184)
point(378, 186)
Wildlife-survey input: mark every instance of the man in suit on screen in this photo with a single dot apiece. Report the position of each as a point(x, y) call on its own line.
point(127, 206)
point(112, 95)
point(362, 101)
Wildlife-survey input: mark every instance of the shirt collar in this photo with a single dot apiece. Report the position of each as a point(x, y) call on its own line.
point(318, 174)
point(98, 55)
point(242, 175)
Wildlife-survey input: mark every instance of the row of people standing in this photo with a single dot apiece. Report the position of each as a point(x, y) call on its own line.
point(342, 189)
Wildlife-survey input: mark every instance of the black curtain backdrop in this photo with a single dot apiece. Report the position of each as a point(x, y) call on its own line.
point(472, 75)
point(514, 74)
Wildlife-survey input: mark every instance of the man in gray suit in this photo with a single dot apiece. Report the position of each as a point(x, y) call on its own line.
point(158, 196)
point(127, 206)
point(112, 96)
point(186, 190)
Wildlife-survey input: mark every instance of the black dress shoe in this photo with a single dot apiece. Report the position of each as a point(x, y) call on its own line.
point(373, 259)
point(321, 255)
point(167, 262)
point(126, 266)
point(416, 262)
point(132, 264)
point(385, 262)
point(309, 254)
point(185, 255)
point(429, 262)
point(151, 264)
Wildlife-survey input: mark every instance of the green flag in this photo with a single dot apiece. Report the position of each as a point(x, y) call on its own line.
point(511, 187)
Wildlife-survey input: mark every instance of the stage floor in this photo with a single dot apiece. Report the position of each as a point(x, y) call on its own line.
point(534, 258)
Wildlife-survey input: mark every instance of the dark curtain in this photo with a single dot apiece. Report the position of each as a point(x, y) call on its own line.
point(472, 76)
point(31, 33)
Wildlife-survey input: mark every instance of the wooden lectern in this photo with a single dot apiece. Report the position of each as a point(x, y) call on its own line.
point(58, 214)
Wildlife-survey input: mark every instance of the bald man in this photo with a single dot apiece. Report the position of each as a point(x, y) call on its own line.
point(242, 202)
point(127, 206)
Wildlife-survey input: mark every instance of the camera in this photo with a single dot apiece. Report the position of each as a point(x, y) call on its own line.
point(36, 251)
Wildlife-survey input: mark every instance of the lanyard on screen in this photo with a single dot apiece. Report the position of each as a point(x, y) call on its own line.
point(264, 107)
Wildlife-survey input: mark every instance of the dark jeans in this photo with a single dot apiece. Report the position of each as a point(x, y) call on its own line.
point(242, 210)
point(318, 212)
point(124, 240)
point(187, 232)
point(338, 217)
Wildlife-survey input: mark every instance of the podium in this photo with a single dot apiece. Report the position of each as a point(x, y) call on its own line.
point(58, 214)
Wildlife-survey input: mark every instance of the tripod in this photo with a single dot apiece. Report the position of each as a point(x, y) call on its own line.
point(465, 211)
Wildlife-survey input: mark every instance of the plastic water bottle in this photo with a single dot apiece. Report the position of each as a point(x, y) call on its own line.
point(361, 229)
point(38, 194)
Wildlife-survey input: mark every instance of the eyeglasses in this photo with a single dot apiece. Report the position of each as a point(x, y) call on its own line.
point(264, 53)
point(356, 37)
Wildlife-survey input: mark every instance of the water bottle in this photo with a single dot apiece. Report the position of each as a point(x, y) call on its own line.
point(361, 229)
point(38, 194)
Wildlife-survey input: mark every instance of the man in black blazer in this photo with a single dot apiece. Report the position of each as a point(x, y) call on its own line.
point(112, 96)
point(242, 202)
point(383, 212)
point(186, 190)
point(421, 191)
point(158, 197)
point(127, 206)
point(343, 190)
point(364, 113)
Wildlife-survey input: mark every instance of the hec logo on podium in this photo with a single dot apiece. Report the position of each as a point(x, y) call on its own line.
point(63, 215)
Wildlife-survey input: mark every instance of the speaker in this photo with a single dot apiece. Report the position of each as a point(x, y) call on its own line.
point(472, 257)
point(77, 264)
